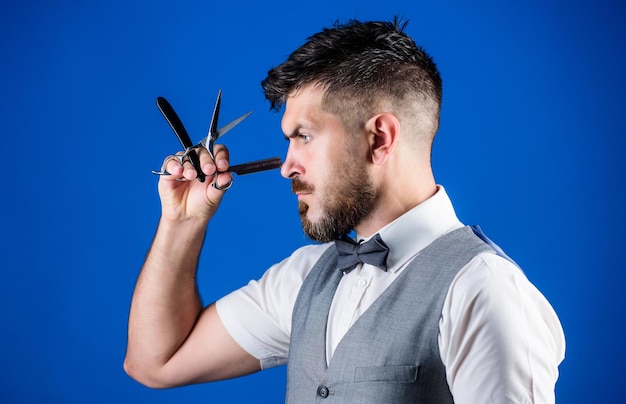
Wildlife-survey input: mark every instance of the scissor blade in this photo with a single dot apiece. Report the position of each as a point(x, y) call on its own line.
point(221, 131)
point(175, 123)
point(215, 117)
point(181, 133)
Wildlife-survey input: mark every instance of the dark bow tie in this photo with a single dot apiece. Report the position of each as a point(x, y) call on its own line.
point(351, 253)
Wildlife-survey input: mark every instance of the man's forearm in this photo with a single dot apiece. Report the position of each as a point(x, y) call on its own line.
point(166, 303)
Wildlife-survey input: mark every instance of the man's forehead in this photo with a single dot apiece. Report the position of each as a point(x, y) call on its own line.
point(311, 89)
point(302, 107)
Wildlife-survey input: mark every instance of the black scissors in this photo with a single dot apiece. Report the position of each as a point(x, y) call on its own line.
point(208, 142)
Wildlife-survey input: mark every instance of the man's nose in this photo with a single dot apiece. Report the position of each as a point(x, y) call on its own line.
point(290, 167)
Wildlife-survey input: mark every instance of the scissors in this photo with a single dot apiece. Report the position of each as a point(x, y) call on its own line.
point(190, 154)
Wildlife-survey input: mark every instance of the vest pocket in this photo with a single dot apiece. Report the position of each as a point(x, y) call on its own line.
point(405, 373)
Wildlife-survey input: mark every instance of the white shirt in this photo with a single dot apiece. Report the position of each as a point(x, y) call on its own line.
point(499, 338)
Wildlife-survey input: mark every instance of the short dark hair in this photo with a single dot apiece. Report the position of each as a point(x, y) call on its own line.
point(358, 64)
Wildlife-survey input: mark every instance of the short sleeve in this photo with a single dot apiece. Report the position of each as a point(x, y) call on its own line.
point(500, 340)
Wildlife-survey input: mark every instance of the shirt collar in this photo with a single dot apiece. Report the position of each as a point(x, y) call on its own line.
point(413, 231)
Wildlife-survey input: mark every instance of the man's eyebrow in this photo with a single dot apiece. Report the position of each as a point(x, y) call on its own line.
point(295, 133)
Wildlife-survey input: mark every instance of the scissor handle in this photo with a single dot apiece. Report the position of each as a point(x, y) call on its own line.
point(256, 166)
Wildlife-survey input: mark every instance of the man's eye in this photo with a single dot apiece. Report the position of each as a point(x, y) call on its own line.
point(305, 138)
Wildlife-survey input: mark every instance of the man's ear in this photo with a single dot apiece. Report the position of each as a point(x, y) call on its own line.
point(383, 130)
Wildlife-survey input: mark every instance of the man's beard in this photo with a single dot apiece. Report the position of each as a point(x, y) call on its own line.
point(348, 199)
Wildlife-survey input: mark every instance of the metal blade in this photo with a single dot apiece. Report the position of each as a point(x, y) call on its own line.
point(221, 131)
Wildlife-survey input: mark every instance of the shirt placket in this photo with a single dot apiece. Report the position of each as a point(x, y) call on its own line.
point(349, 309)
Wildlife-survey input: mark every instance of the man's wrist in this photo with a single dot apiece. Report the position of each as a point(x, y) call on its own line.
point(179, 241)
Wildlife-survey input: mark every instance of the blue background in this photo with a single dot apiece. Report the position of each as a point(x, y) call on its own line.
point(530, 148)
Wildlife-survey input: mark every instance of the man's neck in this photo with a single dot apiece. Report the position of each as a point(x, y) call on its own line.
point(392, 205)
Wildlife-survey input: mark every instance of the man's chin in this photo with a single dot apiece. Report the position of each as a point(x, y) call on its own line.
point(309, 213)
point(315, 231)
point(303, 208)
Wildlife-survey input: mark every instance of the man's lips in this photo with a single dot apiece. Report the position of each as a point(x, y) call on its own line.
point(302, 195)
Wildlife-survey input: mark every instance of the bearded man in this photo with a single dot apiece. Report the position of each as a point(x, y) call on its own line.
point(398, 302)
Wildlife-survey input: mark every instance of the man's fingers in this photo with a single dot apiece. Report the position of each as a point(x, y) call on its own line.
point(171, 165)
point(206, 162)
point(210, 167)
point(189, 171)
point(181, 168)
point(223, 181)
point(222, 157)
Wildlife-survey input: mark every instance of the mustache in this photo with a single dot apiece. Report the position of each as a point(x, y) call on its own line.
point(298, 185)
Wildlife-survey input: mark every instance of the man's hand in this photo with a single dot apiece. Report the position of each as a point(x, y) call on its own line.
point(183, 197)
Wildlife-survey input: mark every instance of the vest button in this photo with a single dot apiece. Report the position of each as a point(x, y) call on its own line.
point(323, 391)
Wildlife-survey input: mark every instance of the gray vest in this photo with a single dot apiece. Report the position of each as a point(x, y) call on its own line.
point(390, 354)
